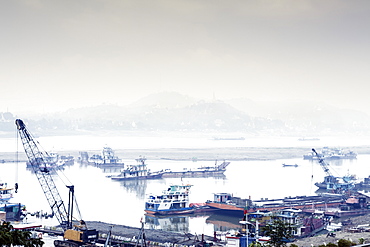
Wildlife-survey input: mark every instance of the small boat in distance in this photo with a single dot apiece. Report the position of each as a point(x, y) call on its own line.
point(309, 139)
point(286, 165)
point(229, 138)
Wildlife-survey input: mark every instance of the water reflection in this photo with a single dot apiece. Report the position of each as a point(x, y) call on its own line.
point(135, 186)
point(178, 223)
point(223, 223)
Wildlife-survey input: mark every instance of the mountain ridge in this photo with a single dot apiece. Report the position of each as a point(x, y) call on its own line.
point(172, 111)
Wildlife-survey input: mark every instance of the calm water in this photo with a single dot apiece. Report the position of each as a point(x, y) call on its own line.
point(122, 202)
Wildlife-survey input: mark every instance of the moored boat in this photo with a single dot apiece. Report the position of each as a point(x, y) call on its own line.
point(138, 171)
point(174, 200)
point(12, 211)
point(6, 193)
point(228, 204)
point(107, 158)
point(331, 154)
point(216, 170)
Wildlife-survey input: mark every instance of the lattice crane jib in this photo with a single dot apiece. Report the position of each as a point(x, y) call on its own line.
point(323, 164)
point(37, 159)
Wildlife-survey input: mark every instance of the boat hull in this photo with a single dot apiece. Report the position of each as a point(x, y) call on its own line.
point(189, 174)
point(121, 178)
point(171, 211)
point(234, 210)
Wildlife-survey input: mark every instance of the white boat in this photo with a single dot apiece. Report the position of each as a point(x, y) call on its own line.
point(174, 200)
point(138, 171)
point(6, 193)
point(107, 158)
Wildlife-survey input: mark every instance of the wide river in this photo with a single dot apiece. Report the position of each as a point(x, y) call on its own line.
point(122, 202)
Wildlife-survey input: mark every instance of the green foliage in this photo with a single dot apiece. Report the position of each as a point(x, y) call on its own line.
point(278, 231)
point(322, 245)
point(293, 245)
point(331, 245)
point(345, 243)
point(10, 237)
point(361, 241)
point(256, 244)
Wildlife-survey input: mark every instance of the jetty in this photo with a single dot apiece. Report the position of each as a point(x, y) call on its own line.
point(127, 236)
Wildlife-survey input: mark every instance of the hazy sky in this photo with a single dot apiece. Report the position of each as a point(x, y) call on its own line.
point(69, 53)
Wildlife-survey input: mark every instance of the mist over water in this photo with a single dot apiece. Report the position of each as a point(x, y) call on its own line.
point(168, 140)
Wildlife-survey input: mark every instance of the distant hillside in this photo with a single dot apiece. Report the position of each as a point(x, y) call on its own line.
point(170, 111)
point(164, 100)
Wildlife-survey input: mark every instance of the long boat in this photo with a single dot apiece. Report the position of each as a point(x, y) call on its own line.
point(216, 170)
point(228, 204)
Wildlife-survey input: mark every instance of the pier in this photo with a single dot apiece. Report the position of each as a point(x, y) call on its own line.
point(126, 236)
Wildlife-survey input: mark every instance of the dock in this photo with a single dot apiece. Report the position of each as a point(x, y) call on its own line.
point(130, 236)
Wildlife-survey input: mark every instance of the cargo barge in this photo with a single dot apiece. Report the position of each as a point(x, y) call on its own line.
point(228, 204)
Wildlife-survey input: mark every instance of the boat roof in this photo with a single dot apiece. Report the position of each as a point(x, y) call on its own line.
point(24, 226)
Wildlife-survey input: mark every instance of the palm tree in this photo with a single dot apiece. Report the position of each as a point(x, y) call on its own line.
point(10, 237)
point(279, 232)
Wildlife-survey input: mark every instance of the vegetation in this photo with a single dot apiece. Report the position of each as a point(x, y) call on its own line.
point(10, 237)
point(279, 232)
point(340, 243)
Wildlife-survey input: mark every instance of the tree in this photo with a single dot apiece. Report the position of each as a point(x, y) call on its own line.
point(10, 237)
point(345, 243)
point(278, 231)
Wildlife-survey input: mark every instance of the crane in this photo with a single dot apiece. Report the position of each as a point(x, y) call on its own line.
point(330, 181)
point(37, 159)
point(323, 164)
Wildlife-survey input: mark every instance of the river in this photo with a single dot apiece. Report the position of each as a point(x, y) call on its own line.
point(122, 202)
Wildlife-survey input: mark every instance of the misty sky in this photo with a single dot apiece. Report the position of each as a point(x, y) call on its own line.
point(70, 53)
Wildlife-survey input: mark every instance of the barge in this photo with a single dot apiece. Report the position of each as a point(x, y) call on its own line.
point(216, 170)
point(228, 204)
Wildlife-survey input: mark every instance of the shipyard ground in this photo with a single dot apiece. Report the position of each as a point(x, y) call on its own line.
point(171, 237)
point(159, 236)
point(321, 239)
point(151, 235)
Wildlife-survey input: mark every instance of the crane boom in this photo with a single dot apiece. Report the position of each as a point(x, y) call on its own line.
point(323, 164)
point(37, 159)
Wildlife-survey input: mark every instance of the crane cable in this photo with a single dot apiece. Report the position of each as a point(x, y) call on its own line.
point(59, 172)
point(16, 164)
point(311, 177)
